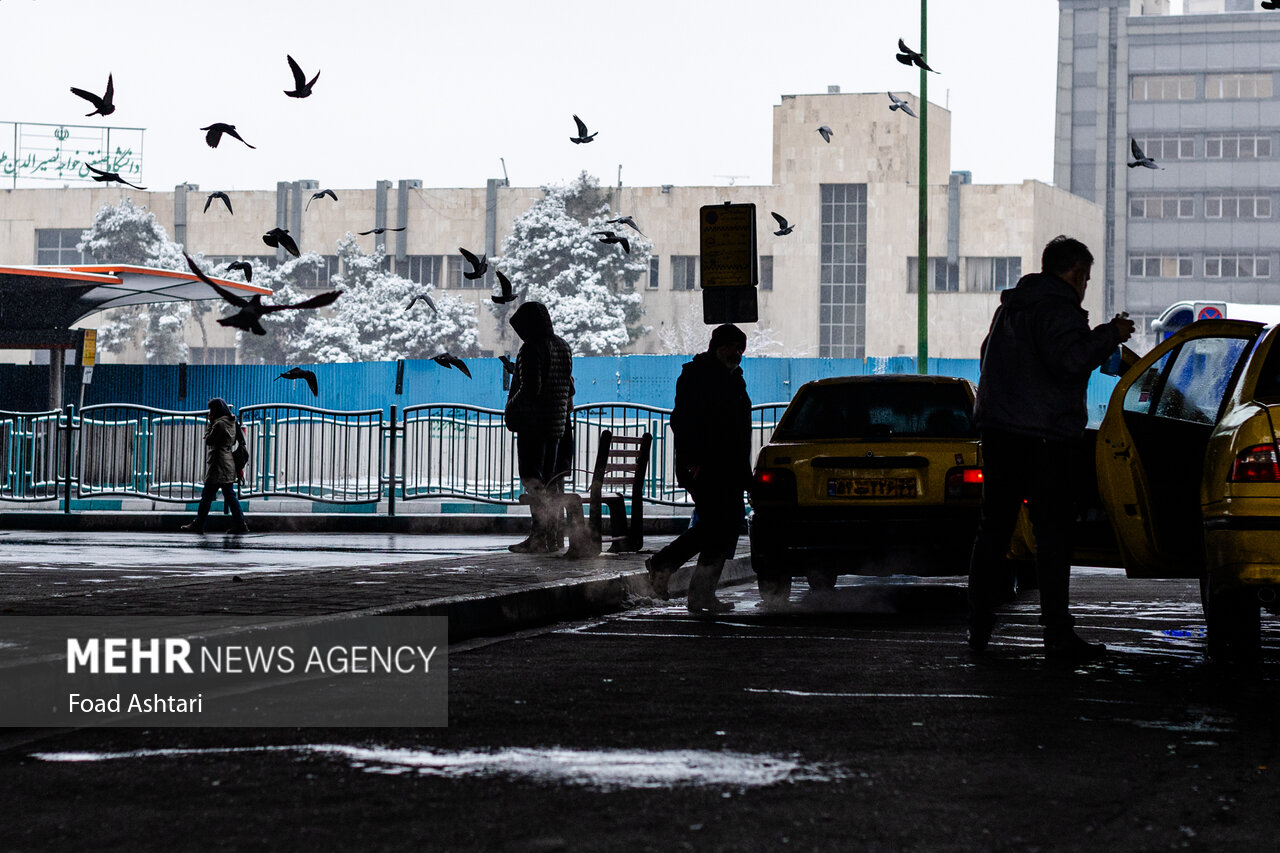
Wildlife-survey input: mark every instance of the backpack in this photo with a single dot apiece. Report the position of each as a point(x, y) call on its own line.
point(240, 453)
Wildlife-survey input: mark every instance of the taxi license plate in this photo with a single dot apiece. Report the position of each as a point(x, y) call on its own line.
point(871, 487)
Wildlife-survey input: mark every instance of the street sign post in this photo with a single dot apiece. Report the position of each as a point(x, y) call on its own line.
point(729, 263)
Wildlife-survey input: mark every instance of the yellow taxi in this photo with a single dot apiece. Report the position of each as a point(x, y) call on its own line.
point(867, 475)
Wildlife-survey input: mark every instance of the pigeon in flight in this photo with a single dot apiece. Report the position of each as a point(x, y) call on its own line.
point(899, 104)
point(611, 237)
point(244, 267)
point(301, 86)
point(215, 131)
point(1140, 159)
point(278, 238)
point(226, 199)
point(101, 106)
point(505, 284)
point(330, 193)
point(444, 359)
point(252, 309)
point(425, 297)
point(582, 133)
point(381, 230)
point(625, 220)
point(508, 365)
point(907, 56)
point(110, 177)
point(783, 227)
point(479, 266)
point(826, 133)
point(299, 373)
point(1271, 4)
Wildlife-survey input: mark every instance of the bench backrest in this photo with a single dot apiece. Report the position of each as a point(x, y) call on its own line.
point(622, 462)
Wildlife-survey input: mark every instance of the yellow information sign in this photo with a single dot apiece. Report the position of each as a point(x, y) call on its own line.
point(90, 347)
point(727, 240)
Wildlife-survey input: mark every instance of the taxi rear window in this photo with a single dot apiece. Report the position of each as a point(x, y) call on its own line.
point(879, 410)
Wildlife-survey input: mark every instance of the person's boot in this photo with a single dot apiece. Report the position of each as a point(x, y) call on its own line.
point(192, 527)
point(1063, 645)
point(536, 543)
point(702, 589)
point(659, 577)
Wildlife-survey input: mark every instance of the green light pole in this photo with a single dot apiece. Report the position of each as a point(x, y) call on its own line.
point(922, 247)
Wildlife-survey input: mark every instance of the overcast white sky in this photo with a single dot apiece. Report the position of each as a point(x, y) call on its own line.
point(680, 91)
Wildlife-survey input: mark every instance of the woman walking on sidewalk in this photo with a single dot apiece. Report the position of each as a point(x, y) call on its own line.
point(220, 438)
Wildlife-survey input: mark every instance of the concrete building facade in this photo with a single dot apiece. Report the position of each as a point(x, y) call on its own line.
point(842, 284)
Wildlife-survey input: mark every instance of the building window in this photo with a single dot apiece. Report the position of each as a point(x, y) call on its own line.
point(766, 272)
point(259, 262)
point(1160, 266)
point(1237, 207)
point(57, 247)
point(1231, 86)
point(211, 355)
point(652, 283)
point(842, 282)
point(314, 276)
point(943, 277)
point(454, 277)
point(684, 272)
point(420, 269)
point(988, 274)
point(1168, 147)
point(1237, 266)
point(1159, 87)
point(1161, 207)
point(1237, 146)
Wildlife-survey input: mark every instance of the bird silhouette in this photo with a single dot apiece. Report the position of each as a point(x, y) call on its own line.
point(444, 359)
point(1271, 4)
point(330, 193)
point(252, 309)
point(907, 56)
point(279, 237)
point(226, 199)
point(625, 220)
point(582, 133)
point(783, 227)
point(110, 177)
point(301, 86)
point(479, 266)
point(101, 106)
point(508, 365)
point(244, 267)
point(826, 133)
point(1140, 159)
point(299, 373)
point(425, 296)
point(217, 129)
point(381, 230)
point(899, 104)
point(611, 237)
point(507, 293)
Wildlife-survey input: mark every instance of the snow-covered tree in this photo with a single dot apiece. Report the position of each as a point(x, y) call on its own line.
point(553, 257)
point(284, 328)
point(688, 335)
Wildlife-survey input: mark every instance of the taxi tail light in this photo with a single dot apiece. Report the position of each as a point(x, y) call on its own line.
point(964, 483)
point(773, 485)
point(1257, 464)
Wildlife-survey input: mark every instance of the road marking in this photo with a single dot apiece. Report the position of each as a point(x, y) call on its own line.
point(822, 695)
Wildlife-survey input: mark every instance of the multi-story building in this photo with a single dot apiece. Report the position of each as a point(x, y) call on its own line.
point(842, 284)
point(1198, 93)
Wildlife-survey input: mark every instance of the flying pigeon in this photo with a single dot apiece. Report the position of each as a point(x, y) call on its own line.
point(907, 56)
point(826, 133)
point(899, 104)
point(252, 309)
point(611, 237)
point(101, 106)
point(508, 365)
point(299, 373)
point(479, 266)
point(278, 237)
point(444, 359)
point(226, 199)
point(425, 297)
point(783, 227)
point(381, 230)
point(582, 133)
point(505, 284)
point(1140, 159)
point(1271, 4)
point(330, 193)
point(111, 177)
point(301, 86)
point(215, 131)
point(625, 220)
point(244, 267)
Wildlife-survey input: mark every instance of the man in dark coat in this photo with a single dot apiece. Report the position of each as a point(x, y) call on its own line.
point(1031, 411)
point(537, 412)
point(711, 422)
point(220, 437)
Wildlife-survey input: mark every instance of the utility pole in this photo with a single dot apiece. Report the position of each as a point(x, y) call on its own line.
point(922, 247)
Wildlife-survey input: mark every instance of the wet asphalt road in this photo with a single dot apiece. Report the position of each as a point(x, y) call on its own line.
point(857, 722)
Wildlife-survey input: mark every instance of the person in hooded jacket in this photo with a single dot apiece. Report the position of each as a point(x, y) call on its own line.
point(537, 411)
point(1031, 411)
point(220, 436)
point(711, 421)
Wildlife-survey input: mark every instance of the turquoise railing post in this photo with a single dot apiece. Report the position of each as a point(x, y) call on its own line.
point(268, 448)
point(142, 436)
point(66, 460)
point(391, 465)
